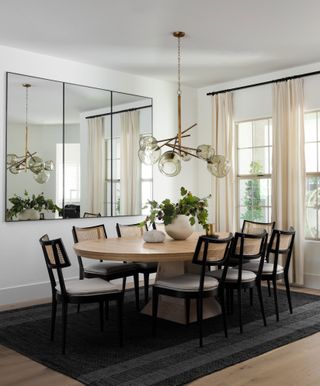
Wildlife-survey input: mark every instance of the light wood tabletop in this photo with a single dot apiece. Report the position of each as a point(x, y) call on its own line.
point(136, 249)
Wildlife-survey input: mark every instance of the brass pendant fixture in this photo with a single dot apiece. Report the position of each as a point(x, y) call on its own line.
point(29, 161)
point(169, 162)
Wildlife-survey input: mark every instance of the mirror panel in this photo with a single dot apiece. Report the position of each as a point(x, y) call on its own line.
point(33, 139)
point(87, 125)
point(131, 180)
point(92, 143)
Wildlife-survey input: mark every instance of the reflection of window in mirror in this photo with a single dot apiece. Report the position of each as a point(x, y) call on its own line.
point(131, 182)
point(72, 174)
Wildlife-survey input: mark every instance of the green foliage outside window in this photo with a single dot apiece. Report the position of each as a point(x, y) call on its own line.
point(252, 199)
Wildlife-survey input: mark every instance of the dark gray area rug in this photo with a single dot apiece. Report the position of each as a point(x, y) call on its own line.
point(173, 358)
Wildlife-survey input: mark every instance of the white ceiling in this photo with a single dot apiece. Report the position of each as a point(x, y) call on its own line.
point(226, 39)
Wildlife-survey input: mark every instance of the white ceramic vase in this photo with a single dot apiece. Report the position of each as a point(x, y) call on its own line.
point(29, 214)
point(180, 228)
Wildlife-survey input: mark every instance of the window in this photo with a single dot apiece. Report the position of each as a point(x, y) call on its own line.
point(254, 162)
point(312, 157)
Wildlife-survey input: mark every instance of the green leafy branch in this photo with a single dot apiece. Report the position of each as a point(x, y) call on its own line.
point(38, 203)
point(188, 205)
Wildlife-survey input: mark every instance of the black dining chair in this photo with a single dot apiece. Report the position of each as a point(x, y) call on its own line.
point(254, 227)
point(75, 291)
point(244, 247)
point(107, 270)
point(209, 252)
point(135, 230)
point(280, 245)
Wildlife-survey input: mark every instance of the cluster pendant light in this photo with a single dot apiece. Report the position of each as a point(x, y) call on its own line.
point(29, 161)
point(169, 162)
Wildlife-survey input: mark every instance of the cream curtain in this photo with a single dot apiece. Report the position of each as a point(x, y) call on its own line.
point(96, 165)
point(223, 142)
point(130, 184)
point(288, 166)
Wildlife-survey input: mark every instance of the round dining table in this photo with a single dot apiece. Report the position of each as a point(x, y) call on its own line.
point(174, 257)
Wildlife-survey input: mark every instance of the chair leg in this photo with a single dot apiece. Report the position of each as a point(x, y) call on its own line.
point(269, 288)
point(106, 309)
point(199, 317)
point(120, 319)
point(261, 303)
point(240, 310)
point(274, 283)
point(124, 280)
point(231, 300)
point(146, 287)
point(286, 280)
point(188, 311)
point(101, 316)
point(251, 296)
point(53, 316)
point(78, 308)
point(64, 325)
point(136, 290)
point(155, 301)
point(223, 310)
point(228, 300)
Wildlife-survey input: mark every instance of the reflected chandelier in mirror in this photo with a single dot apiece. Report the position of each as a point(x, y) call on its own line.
point(29, 161)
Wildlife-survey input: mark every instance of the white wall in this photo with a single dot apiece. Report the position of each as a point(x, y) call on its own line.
point(23, 274)
point(254, 103)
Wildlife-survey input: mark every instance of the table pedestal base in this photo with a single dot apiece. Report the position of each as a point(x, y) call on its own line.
point(174, 309)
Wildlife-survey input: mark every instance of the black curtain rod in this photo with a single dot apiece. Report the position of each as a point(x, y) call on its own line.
point(263, 83)
point(118, 112)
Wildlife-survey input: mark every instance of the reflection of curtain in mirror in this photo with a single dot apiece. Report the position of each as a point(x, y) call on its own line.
point(96, 165)
point(130, 182)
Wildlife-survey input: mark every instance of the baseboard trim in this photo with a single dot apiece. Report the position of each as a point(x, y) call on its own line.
point(312, 280)
point(34, 293)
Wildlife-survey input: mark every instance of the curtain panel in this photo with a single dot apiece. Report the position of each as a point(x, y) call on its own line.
point(288, 167)
point(223, 142)
point(96, 165)
point(130, 168)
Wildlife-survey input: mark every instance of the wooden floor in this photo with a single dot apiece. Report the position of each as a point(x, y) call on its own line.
point(296, 364)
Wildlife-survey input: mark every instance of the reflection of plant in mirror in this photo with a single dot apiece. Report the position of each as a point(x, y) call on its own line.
point(38, 203)
point(189, 205)
point(252, 199)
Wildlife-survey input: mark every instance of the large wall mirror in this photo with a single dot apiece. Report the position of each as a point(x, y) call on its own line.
point(77, 148)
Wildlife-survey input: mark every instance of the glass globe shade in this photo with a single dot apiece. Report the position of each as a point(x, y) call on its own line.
point(148, 142)
point(49, 165)
point(11, 159)
point(36, 164)
point(219, 166)
point(205, 152)
point(14, 169)
point(42, 177)
point(149, 156)
point(170, 164)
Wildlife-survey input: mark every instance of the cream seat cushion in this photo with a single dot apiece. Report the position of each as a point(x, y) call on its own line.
point(94, 286)
point(107, 268)
point(187, 282)
point(232, 275)
point(267, 267)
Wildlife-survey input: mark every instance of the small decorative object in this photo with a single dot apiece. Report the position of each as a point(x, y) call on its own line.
point(29, 161)
point(179, 217)
point(29, 207)
point(169, 162)
point(154, 236)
